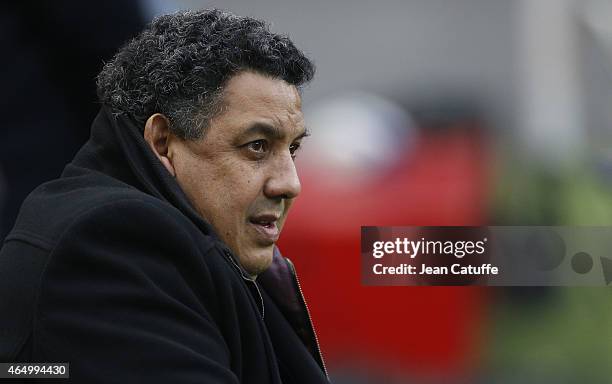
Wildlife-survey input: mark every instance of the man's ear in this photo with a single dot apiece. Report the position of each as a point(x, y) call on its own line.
point(157, 135)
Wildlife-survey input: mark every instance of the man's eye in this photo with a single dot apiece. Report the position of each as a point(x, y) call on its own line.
point(259, 146)
point(294, 148)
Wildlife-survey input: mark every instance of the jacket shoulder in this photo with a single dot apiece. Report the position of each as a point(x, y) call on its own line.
point(54, 207)
point(134, 260)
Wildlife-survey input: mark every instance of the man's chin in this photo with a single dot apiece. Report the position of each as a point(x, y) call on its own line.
point(258, 260)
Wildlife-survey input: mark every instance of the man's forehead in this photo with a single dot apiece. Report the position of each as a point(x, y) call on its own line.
point(251, 100)
point(250, 90)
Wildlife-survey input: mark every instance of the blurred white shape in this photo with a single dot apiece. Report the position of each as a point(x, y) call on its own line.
point(355, 134)
point(597, 16)
point(549, 83)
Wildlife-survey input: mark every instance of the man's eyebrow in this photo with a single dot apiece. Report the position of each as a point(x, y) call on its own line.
point(270, 131)
point(306, 133)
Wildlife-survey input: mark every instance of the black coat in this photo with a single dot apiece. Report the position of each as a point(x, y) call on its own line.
point(110, 268)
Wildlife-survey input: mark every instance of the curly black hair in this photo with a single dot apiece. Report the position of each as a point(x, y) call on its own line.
point(179, 64)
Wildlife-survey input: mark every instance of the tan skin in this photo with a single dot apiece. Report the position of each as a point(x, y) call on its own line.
point(240, 176)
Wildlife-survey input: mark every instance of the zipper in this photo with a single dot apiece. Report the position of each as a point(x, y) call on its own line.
point(228, 254)
point(295, 278)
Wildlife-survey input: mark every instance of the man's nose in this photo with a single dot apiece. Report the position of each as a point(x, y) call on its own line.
point(283, 180)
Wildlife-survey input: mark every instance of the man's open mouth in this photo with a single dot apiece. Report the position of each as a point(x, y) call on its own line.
point(266, 227)
point(267, 224)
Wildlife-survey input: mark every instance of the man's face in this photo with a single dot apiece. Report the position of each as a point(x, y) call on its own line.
point(241, 175)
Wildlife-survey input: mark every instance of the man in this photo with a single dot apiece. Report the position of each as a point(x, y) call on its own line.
point(152, 258)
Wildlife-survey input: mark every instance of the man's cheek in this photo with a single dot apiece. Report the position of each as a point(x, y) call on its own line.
point(281, 221)
point(288, 204)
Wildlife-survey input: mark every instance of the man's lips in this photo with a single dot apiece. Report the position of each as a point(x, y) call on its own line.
point(266, 226)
